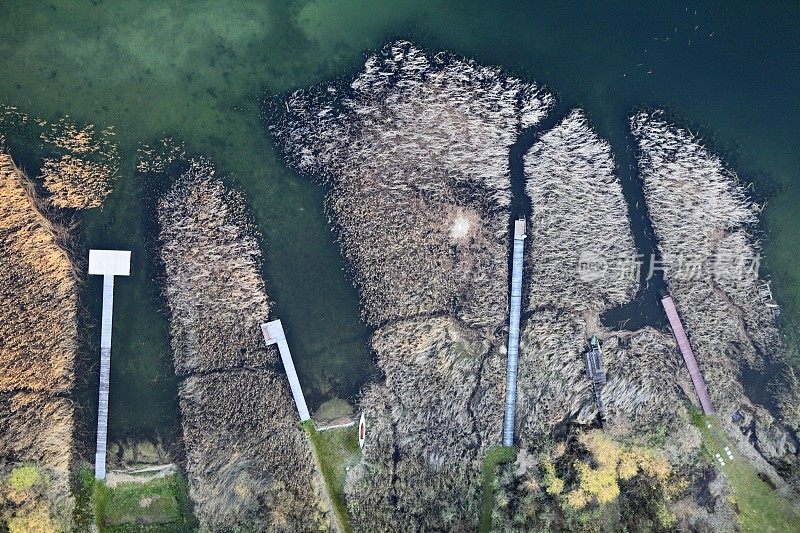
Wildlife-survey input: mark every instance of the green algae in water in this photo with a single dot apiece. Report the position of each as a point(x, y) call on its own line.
point(195, 70)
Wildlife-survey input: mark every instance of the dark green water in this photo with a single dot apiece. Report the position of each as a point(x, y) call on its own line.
point(195, 69)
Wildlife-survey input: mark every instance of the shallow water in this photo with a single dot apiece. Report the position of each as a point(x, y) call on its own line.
point(194, 70)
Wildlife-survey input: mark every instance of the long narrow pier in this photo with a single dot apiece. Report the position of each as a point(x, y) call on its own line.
point(108, 263)
point(273, 334)
point(513, 333)
point(686, 351)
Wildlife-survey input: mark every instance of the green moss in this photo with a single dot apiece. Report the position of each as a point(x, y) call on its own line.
point(336, 450)
point(495, 456)
point(761, 509)
point(24, 477)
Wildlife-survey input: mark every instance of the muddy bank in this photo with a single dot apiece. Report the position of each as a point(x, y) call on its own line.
point(248, 462)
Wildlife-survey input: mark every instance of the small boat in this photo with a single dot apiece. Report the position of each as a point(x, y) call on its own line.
point(362, 431)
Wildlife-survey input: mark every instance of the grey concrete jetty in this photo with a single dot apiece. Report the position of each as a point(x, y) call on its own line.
point(686, 351)
point(273, 334)
point(513, 333)
point(106, 263)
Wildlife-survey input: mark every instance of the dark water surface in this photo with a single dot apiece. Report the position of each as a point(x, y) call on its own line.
point(194, 70)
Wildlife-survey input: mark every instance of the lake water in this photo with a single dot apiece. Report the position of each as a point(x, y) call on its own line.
point(194, 70)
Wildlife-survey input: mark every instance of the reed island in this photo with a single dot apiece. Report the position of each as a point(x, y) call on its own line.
point(249, 465)
point(414, 154)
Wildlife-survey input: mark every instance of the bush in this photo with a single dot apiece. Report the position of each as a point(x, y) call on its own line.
point(24, 477)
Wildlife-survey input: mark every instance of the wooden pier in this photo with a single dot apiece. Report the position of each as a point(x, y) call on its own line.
point(108, 263)
point(513, 333)
point(686, 351)
point(273, 334)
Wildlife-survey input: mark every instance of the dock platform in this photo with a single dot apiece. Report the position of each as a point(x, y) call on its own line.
point(513, 333)
point(273, 334)
point(108, 263)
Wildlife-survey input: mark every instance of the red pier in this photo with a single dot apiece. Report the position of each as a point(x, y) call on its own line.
point(686, 351)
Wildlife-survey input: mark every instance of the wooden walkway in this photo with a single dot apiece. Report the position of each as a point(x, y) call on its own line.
point(513, 334)
point(108, 263)
point(105, 376)
point(273, 334)
point(686, 351)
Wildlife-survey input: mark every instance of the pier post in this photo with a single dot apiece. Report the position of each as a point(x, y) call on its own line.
point(108, 263)
point(513, 333)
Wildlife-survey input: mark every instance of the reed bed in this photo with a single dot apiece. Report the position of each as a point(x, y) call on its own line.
point(38, 328)
point(415, 152)
point(582, 255)
point(704, 222)
point(213, 286)
point(250, 466)
point(38, 288)
point(582, 261)
point(248, 463)
point(430, 423)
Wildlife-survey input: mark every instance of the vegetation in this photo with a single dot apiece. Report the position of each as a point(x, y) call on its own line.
point(249, 466)
point(213, 285)
point(159, 505)
point(38, 328)
point(595, 484)
point(29, 501)
point(78, 162)
point(495, 456)
point(705, 225)
point(38, 286)
point(24, 477)
point(432, 142)
point(336, 451)
point(760, 508)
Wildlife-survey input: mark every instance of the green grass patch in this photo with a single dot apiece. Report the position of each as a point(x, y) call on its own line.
point(495, 456)
point(336, 449)
point(761, 509)
point(160, 505)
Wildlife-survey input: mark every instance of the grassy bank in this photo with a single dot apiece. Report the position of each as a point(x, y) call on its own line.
point(761, 509)
point(336, 450)
point(496, 456)
point(158, 505)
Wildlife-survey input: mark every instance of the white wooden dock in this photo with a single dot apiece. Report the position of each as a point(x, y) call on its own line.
point(108, 263)
point(273, 334)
